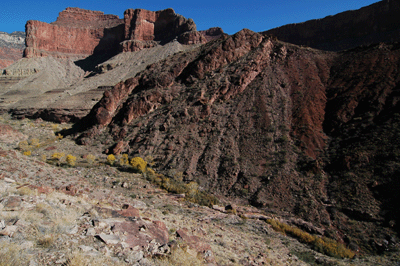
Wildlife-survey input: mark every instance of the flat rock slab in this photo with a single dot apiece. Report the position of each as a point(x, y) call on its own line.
point(12, 203)
point(109, 239)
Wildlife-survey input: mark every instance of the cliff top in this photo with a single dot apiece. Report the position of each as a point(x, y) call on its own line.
point(77, 17)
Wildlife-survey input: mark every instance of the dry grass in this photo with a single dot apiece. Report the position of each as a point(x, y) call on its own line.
point(179, 257)
point(11, 254)
point(323, 245)
point(79, 258)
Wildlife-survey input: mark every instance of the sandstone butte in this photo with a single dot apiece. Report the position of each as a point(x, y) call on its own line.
point(79, 32)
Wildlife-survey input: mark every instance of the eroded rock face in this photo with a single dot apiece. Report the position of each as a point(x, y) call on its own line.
point(79, 32)
point(376, 23)
point(76, 32)
point(251, 117)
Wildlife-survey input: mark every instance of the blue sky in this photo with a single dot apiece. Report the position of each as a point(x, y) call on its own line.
point(231, 16)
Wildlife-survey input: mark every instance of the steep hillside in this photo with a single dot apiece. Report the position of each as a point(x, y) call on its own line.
point(259, 120)
point(373, 24)
point(294, 131)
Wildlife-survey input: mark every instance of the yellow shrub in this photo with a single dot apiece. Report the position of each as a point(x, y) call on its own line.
point(124, 160)
point(55, 127)
point(27, 153)
point(324, 245)
point(23, 145)
point(71, 160)
point(57, 155)
point(90, 158)
point(34, 142)
point(150, 173)
point(138, 164)
point(111, 159)
point(192, 189)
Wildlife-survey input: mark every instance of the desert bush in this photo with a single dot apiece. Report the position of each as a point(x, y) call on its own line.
point(23, 145)
point(34, 142)
point(149, 160)
point(179, 256)
point(26, 191)
point(323, 245)
point(11, 254)
point(124, 160)
point(90, 158)
point(191, 190)
point(46, 241)
point(138, 164)
point(111, 159)
point(176, 175)
point(27, 153)
point(57, 156)
point(71, 160)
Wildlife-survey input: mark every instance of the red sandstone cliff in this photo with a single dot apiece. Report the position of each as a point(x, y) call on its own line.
point(376, 23)
point(79, 32)
point(76, 32)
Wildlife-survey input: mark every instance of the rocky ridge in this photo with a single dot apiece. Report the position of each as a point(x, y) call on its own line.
point(369, 25)
point(252, 118)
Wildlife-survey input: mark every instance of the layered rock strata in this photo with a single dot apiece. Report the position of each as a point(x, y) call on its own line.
point(11, 47)
point(79, 32)
point(376, 23)
point(76, 32)
point(254, 118)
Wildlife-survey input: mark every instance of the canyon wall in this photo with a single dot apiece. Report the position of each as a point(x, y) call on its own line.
point(376, 23)
point(76, 32)
point(80, 33)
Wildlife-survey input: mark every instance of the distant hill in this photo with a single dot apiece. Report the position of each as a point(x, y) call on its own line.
point(11, 47)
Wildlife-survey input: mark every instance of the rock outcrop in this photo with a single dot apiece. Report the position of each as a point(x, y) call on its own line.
point(11, 47)
point(76, 32)
point(376, 23)
point(81, 41)
point(251, 117)
point(79, 32)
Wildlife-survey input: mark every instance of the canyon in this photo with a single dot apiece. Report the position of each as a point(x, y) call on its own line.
point(292, 121)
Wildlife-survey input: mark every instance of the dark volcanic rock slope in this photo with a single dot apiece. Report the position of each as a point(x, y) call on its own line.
point(271, 123)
